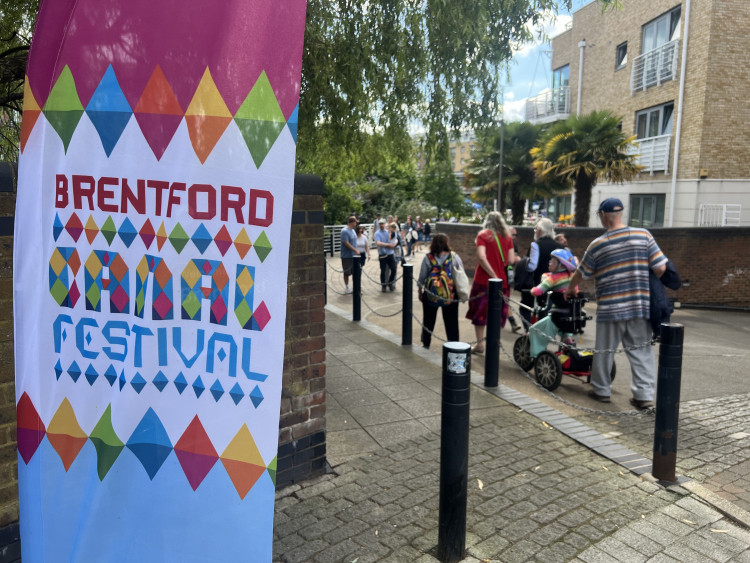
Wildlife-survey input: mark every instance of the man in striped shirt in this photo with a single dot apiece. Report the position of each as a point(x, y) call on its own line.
point(619, 262)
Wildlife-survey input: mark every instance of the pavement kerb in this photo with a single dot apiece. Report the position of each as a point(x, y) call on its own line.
point(727, 508)
point(579, 432)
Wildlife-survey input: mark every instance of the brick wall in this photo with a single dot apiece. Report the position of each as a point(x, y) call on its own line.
point(725, 135)
point(302, 423)
point(716, 106)
point(9, 535)
point(714, 263)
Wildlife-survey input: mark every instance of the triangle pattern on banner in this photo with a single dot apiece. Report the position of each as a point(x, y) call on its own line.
point(260, 119)
point(109, 111)
point(207, 117)
point(65, 434)
point(63, 108)
point(158, 113)
point(31, 112)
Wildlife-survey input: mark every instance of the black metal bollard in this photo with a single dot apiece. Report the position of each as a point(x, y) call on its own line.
point(407, 305)
point(330, 238)
point(454, 451)
point(492, 345)
point(356, 289)
point(668, 402)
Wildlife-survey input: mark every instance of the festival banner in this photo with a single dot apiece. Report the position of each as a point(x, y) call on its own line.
point(150, 270)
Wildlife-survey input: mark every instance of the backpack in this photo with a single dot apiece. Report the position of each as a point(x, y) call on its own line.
point(439, 283)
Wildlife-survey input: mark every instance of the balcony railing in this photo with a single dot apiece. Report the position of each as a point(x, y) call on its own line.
point(549, 106)
point(719, 215)
point(653, 153)
point(654, 67)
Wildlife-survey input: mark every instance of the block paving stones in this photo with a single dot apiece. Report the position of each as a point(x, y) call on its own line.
point(534, 493)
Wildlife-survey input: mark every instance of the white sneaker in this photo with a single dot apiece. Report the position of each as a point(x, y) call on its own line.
point(347, 290)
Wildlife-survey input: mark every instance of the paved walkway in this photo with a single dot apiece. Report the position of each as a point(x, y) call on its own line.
point(535, 492)
point(714, 434)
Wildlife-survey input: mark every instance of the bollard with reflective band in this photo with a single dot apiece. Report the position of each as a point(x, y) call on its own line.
point(407, 305)
point(492, 345)
point(356, 289)
point(668, 402)
point(454, 451)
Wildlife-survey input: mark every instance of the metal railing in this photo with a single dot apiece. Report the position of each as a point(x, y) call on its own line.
point(332, 238)
point(655, 66)
point(652, 153)
point(549, 106)
point(719, 215)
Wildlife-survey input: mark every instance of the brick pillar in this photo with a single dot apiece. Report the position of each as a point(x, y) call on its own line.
point(10, 543)
point(302, 443)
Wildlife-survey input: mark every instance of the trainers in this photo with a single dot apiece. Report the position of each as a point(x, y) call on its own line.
point(600, 398)
point(641, 404)
point(514, 325)
point(392, 287)
point(347, 290)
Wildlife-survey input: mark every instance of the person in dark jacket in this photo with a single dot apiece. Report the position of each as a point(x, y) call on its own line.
point(661, 306)
point(539, 253)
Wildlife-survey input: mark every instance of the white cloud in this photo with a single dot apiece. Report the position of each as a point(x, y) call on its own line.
point(514, 110)
point(553, 25)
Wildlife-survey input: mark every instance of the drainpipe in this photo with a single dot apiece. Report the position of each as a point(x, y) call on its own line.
point(683, 65)
point(582, 45)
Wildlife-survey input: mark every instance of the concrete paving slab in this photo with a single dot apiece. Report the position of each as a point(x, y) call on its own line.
point(543, 497)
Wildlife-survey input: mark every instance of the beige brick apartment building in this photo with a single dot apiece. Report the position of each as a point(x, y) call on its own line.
point(632, 64)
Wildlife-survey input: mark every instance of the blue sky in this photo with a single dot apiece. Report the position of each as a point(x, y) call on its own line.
point(530, 71)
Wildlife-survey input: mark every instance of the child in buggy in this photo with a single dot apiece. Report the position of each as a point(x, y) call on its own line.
point(560, 318)
point(562, 264)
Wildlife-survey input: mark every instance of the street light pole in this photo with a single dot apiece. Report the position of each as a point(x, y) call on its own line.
point(500, 165)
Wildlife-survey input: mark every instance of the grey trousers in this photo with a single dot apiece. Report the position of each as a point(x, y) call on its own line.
point(609, 335)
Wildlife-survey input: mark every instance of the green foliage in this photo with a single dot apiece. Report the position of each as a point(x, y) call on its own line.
point(17, 19)
point(520, 183)
point(584, 149)
point(382, 64)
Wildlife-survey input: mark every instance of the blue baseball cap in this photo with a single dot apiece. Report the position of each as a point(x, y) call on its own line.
point(610, 205)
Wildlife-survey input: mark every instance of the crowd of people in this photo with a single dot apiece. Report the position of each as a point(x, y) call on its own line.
point(623, 262)
point(395, 243)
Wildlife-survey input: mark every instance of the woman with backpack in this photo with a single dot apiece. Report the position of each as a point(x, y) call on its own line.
point(436, 289)
point(495, 253)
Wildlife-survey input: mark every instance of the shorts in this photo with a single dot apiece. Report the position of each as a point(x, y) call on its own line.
point(347, 264)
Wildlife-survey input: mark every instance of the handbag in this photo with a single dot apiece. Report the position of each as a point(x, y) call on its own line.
point(460, 280)
point(509, 273)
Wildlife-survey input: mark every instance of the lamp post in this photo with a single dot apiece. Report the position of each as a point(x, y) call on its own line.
point(500, 165)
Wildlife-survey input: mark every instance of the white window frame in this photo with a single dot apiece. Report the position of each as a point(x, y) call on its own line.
point(665, 22)
point(621, 63)
point(661, 126)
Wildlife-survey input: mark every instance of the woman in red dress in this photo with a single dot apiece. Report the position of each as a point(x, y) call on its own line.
point(495, 253)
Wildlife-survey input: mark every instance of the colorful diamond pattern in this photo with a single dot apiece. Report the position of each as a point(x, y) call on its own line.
point(149, 442)
point(108, 446)
point(63, 108)
point(62, 284)
point(161, 288)
point(193, 291)
point(158, 114)
point(243, 295)
point(117, 281)
point(65, 434)
point(109, 111)
point(178, 237)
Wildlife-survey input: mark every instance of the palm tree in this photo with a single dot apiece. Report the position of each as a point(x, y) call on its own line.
point(586, 149)
point(519, 180)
